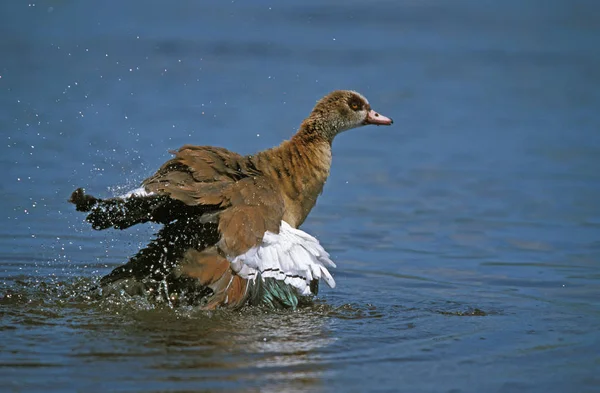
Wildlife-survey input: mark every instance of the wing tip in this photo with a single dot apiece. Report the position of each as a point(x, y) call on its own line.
point(82, 201)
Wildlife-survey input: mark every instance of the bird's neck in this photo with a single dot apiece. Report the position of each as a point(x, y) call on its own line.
point(301, 167)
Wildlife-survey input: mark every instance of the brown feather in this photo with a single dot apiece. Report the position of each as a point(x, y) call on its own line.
point(300, 168)
point(214, 271)
point(246, 196)
point(206, 266)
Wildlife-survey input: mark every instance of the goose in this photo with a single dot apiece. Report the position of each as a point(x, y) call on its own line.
point(230, 232)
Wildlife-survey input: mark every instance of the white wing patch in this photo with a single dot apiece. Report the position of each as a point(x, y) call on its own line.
point(138, 192)
point(292, 255)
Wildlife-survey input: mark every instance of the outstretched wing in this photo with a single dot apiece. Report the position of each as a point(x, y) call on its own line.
point(224, 228)
point(193, 183)
point(200, 175)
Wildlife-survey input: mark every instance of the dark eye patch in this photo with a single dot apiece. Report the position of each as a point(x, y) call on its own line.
point(355, 103)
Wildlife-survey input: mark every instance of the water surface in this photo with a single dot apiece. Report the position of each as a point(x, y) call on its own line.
point(467, 236)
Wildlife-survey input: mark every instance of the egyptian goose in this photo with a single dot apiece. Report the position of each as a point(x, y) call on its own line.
point(230, 234)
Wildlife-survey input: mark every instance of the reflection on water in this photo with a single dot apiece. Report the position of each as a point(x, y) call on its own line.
point(186, 343)
point(295, 348)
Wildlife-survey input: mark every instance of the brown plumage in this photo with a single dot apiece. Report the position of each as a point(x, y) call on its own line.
point(217, 205)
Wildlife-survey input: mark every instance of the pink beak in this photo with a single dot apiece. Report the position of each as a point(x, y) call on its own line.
point(377, 119)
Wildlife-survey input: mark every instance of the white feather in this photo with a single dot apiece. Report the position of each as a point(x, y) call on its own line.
point(291, 255)
point(138, 192)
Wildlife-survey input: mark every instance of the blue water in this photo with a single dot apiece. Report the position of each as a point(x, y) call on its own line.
point(467, 235)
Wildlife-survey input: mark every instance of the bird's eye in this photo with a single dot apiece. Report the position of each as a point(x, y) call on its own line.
point(355, 103)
